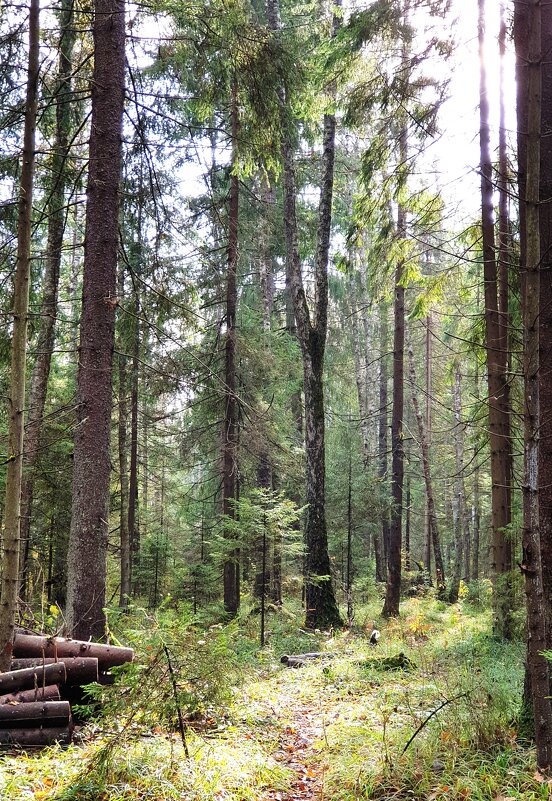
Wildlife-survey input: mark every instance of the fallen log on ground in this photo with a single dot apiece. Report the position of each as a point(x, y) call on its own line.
point(82, 670)
point(56, 714)
point(32, 645)
point(28, 678)
point(48, 693)
point(298, 660)
point(36, 736)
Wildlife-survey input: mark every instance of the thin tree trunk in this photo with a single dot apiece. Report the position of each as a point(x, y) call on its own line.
point(124, 537)
point(133, 522)
point(429, 381)
point(463, 528)
point(231, 579)
point(426, 466)
point(407, 559)
point(381, 547)
point(360, 368)
point(349, 575)
point(12, 509)
point(48, 311)
point(393, 588)
point(86, 581)
point(496, 372)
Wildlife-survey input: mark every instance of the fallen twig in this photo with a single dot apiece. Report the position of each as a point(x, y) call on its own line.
point(426, 721)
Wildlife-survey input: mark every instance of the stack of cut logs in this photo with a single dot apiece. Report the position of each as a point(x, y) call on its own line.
point(46, 675)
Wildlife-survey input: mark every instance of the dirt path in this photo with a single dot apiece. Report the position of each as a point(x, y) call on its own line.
point(301, 719)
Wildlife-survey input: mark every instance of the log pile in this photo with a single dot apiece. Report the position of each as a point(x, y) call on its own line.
point(45, 675)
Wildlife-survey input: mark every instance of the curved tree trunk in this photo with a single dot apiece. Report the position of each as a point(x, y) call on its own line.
point(85, 615)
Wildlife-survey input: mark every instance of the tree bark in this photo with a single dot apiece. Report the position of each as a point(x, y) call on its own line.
point(321, 606)
point(36, 736)
point(462, 528)
point(12, 509)
point(496, 371)
point(381, 546)
point(545, 317)
point(133, 525)
point(124, 537)
point(33, 714)
point(527, 20)
point(79, 670)
point(56, 211)
point(426, 465)
point(231, 579)
point(35, 645)
point(28, 678)
point(85, 616)
point(48, 693)
point(393, 587)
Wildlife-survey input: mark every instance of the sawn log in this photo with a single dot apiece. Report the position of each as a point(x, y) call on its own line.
point(32, 645)
point(28, 678)
point(56, 714)
point(36, 737)
point(82, 670)
point(48, 693)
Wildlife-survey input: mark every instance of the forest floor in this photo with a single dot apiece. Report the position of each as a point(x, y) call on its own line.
point(335, 729)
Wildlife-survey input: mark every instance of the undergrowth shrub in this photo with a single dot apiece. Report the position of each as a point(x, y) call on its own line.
point(178, 668)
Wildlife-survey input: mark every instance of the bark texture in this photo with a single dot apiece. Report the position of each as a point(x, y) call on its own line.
point(426, 465)
point(90, 510)
point(321, 606)
point(12, 510)
point(499, 429)
point(231, 578)
point(56, 212)
point(527, 20)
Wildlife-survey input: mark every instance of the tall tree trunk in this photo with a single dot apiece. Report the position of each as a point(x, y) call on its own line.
point(429, 382)
point(231, 579)
point(85, 615)
point(321, 606)
point(426, 465)
point(133, 521)
point(527, 22)
point(393, 587)
point(124, 537)
point(381, 547)
point(349, 574)
point(12, 509)
point(496, 371)
point(545, 318)
point(48, 310)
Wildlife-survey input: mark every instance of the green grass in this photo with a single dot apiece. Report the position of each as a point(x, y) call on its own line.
point(364, 717)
